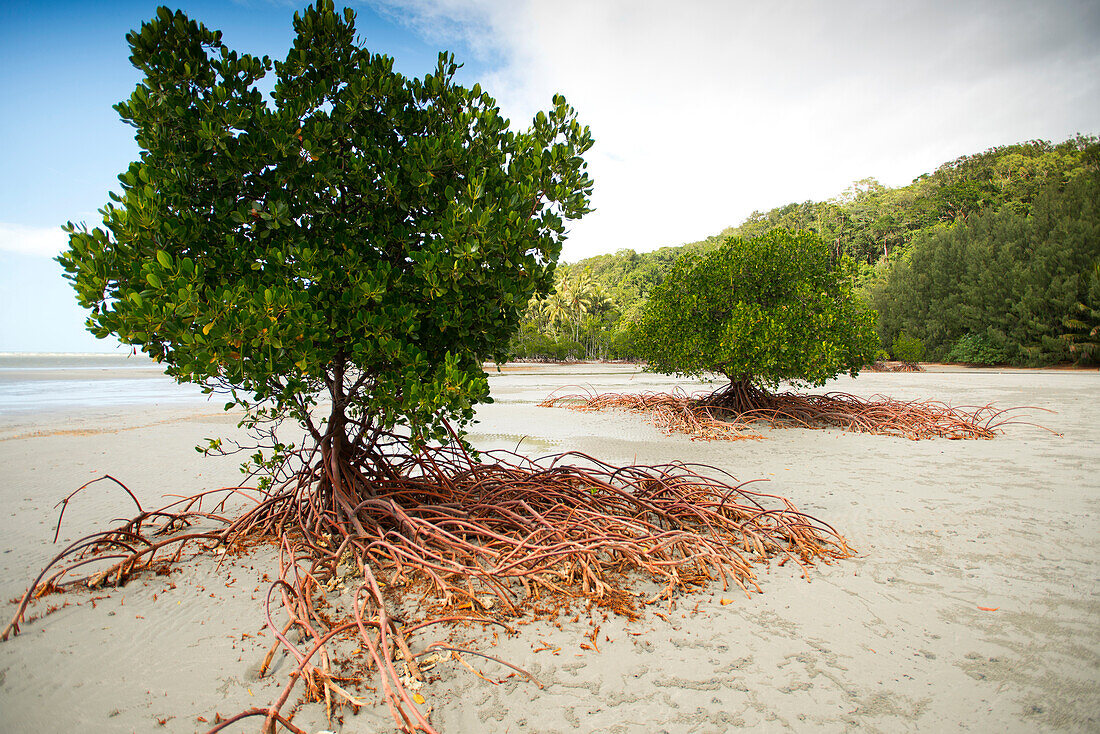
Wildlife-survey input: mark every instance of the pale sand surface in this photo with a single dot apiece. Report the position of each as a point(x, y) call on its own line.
point(892, 640)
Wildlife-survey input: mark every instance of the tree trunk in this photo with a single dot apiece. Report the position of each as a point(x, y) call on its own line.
point(336, 453)
point(740, 396)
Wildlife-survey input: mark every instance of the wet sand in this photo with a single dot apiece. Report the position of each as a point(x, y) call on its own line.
point(893, 640)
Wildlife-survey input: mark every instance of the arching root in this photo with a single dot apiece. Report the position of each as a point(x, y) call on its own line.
point(480, 540)
point(721, 416)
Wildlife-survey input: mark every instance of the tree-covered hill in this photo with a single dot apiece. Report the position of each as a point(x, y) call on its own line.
point(992, 257)
point(1003, 286)
point(869, 220)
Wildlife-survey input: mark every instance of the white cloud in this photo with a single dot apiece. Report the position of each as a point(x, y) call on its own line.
point(44, 241)
point(704, 111)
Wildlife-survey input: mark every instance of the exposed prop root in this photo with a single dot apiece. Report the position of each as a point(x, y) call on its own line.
point(498, 536)
point(675, 412)
point(885, 366)
point(732, 413)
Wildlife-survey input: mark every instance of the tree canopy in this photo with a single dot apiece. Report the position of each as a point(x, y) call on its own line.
point(361, 234)
point(1003, 286)
point(870, 220)
point(758, 310)
point(374, 238)
point(879, 227)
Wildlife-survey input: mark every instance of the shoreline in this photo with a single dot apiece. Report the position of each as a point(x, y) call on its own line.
point(896, 638)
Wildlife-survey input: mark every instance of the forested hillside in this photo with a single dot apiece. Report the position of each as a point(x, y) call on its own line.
point(991, 258)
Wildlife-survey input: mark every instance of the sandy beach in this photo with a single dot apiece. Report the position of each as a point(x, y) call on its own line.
point(973, 603)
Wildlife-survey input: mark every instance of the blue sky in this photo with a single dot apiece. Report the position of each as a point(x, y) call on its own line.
point(702, 110)
point(64, 65)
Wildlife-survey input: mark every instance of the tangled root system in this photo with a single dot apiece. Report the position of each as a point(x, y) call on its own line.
point(735, 411)
point(899, 366)
point(478, 539)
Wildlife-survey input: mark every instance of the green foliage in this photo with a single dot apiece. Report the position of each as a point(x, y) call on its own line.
point(907, 348)
point(532, 343)
point(880, 228)
point(577, 320)
point(623, 281)
point(361, 233)
point(980, 349)
point(575, 297)
point(869, 220)
point(765, 309)
point(1083, 323)
point(1001, 286)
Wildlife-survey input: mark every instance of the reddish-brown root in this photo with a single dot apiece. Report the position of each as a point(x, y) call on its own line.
point(716, 417)
point(500, 537)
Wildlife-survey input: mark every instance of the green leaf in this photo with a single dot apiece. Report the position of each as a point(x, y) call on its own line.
point(271, 263)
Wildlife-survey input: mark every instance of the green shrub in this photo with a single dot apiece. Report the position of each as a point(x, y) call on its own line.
point(977, 349)
point(907, 348)
point(759, 310)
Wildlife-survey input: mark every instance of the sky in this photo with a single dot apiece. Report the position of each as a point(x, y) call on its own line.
point(703, 111)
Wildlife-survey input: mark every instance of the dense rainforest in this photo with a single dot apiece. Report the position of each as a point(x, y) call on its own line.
point(993, 258)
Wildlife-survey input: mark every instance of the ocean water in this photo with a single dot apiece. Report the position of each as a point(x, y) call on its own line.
point(53, 382)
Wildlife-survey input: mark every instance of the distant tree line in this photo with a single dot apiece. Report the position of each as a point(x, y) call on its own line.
point(1003, 287)
point(992, 258)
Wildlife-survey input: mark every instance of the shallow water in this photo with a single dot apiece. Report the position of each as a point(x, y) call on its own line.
point(54, 382)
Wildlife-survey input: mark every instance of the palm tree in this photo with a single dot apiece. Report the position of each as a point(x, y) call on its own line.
point(582, 295)
point(574, 296)
point(556, 307)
